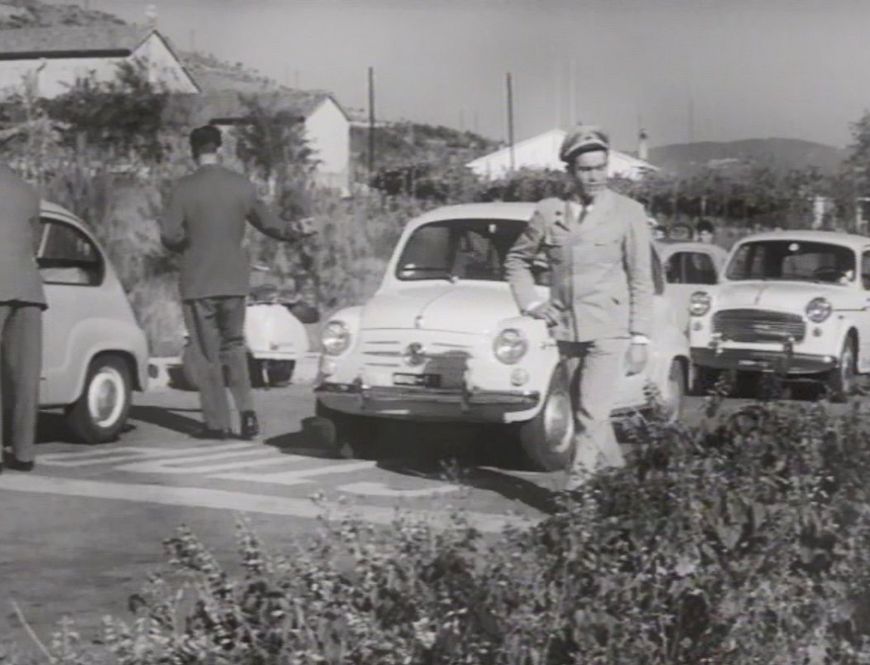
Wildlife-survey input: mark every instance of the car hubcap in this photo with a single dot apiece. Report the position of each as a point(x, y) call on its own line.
point(559, 422)
point(106, 397)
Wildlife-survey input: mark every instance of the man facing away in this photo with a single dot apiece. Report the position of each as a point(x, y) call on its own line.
point(22, 301)
point(597, 244)
point(205, 221)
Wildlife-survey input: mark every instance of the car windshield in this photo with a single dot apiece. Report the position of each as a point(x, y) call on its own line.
point(459, 249)
point(793, 260)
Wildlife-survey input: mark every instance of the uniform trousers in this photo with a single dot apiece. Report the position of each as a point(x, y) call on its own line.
point(216, 328)
point(20, 371)
point(596, 369)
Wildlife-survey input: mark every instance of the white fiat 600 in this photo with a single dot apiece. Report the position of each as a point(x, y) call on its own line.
point(794, 302)
point(443, 340)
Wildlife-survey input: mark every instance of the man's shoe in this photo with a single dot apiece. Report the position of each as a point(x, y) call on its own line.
point(250, 426)
point(17, 465)
point(210, 433)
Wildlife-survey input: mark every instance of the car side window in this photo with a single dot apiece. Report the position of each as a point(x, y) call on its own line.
point(690, 268)
point(68, 256)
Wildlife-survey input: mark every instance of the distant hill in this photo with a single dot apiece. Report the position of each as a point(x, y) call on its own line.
point(686, 159)
point(403, 143)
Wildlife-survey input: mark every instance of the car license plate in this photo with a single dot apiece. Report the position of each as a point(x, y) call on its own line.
point(421, 380)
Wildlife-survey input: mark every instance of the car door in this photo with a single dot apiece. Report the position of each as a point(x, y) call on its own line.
point(72, 269)
point(687, 271)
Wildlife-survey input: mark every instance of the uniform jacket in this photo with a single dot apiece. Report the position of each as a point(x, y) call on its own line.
point(601, 277)
point(19, 218)
point(205, 221)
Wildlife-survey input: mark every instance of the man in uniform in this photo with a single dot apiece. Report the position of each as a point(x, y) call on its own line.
point(22, 300)
point(597, 244)
point(205, 221)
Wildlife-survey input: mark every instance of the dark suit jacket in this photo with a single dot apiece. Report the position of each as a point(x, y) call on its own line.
point(205, 221)
point(19, 216)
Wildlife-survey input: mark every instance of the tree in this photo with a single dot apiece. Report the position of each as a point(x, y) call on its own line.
point(124, 115)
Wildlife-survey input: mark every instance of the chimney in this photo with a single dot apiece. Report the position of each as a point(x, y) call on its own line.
point(151, 16)
point(642, 147)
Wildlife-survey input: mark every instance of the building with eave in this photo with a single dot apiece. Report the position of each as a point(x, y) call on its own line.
point(50, 60)
point(326, 126)
point(542, 152)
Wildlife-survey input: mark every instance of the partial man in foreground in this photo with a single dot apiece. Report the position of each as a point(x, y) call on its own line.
point(597, 245)
point(205, 221)
point(22, 301)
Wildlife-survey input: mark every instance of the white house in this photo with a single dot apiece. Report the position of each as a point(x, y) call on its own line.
point(50, 60)
point(326, 125)
point(542, 152)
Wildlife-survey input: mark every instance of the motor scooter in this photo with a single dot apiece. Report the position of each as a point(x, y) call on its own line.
point(275, 338)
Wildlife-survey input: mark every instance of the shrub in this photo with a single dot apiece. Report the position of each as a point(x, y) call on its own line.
point(743, 542)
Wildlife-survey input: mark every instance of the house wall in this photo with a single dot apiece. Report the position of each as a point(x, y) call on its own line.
point(163, 66)
point(327, 131)
point(53, 76)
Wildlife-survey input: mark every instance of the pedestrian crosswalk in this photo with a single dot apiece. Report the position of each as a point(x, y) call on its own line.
point(239, 462)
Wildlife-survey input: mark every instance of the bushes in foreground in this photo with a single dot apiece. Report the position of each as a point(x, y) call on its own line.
point(735, 544)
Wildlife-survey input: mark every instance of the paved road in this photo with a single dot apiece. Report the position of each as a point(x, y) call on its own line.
point(80, 533)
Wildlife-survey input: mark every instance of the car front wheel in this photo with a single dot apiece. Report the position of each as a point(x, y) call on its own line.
point(344, 432)
point(548, 438)
point(100, 412)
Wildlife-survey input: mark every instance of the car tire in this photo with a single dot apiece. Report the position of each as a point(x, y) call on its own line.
point(101, 411)
point(548, 438)
point(346, 434)
point(842, 379)
point(703, 380)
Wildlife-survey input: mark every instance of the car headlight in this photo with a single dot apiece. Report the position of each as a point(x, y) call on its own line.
point(699, 303)
point(335, 338)
point(818, 309)
point(510, 345)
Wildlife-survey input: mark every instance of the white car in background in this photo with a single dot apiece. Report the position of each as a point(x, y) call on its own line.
point(443, 340)
point(94, 351)
point(689, 266)
point(793, 302)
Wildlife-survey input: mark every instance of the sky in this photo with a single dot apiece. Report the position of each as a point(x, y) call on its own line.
point(702, 70)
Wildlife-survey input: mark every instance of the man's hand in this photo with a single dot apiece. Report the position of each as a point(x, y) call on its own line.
point(546, 311)
point(636, 357)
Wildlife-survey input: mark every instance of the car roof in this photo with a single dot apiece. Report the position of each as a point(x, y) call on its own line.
point(492, 210)
point(667, 247)
point(833, 237)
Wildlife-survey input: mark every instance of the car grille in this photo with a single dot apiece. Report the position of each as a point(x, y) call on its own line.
point(442, 354)
point(758, 325)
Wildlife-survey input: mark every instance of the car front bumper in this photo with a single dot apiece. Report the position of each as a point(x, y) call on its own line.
point(764, 360)
point(408, 402)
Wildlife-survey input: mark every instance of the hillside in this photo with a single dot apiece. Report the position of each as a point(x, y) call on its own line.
point(780, 154)
point(36, 14)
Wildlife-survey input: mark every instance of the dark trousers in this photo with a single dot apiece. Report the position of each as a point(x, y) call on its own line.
point(20, 371)
point(217, 339)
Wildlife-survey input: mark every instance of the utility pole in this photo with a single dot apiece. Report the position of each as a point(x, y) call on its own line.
point(510, 119)
point(371, 154)
point(557, 101)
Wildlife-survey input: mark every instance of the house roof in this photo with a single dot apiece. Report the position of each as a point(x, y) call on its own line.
point(227, 105)
point(71, 41)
